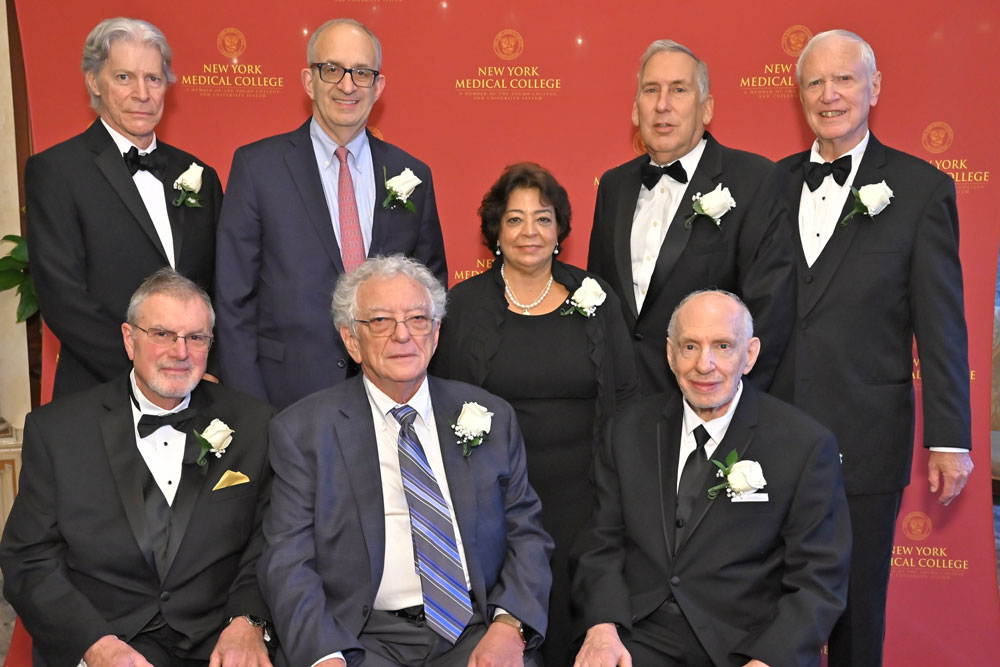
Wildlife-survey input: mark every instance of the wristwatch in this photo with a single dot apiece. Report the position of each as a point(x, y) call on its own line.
point(507, 619)
point(255, 621)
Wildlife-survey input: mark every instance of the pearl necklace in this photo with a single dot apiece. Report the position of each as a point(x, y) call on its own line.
point(525, 308)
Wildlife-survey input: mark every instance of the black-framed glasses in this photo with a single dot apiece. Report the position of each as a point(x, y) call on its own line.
point(166, 338)
point(333, 73)
point(417, 325)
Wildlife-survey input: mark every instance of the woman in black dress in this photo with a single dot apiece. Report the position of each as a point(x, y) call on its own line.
point(550, 339)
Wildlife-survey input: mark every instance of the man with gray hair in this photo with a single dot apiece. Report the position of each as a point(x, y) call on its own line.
point(307, 207)
point(721, 535)
point(690, 214)
point(402, 528)
point(877, 231)
point(108, 207)
point(135, 535)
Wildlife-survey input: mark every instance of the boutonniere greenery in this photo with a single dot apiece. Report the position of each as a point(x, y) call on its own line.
point(472, 426)
point(189, 183)
point(742, 477)
point(585, 300)
point(215, 438)
point(715, 204)
point(399, 189)
point(869, 200)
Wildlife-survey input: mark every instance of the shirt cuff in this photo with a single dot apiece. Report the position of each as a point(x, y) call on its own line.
point(338, 654)
point(953, 450)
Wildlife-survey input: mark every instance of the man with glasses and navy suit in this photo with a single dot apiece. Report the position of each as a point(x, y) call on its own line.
point(303, 209)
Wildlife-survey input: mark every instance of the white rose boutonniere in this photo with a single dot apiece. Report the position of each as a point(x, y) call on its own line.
point(742, 477)
point(399, 188)
point(189, 183)
point(715, 204)
point(473, 426)
point(585, 300)
point(215, 438)
point(869, 200)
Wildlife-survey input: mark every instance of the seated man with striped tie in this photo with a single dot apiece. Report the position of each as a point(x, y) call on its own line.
point(402, 528)
point(135, 534)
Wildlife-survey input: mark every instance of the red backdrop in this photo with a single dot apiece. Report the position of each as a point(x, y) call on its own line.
point(473, 86)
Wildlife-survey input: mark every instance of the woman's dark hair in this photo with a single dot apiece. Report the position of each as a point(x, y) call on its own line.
point(523, 175)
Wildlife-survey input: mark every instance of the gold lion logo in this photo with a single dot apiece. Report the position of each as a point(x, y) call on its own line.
point(638, 145)
point(917, 526)
point(937, 137)
point(795, 39)
point(231, 43)
point(508, 44)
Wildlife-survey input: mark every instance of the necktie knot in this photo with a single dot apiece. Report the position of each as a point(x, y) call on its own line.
point(404, 414)
point(155, 162)
point(341, 153)
point(651, 173)
point(815, 172)
point(701, 436)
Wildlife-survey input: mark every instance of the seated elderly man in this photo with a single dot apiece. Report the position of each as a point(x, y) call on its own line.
point(688, 564)
point(402, 529)
point(134, 538)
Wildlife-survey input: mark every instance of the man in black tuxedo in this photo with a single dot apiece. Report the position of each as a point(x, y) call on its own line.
point(650, 245)
point(867, 284)
point(98, 223)
point(303, 209)
point(135, 534)
point(755, 576)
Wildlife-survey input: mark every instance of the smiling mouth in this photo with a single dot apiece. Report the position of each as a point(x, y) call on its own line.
point(831, 114)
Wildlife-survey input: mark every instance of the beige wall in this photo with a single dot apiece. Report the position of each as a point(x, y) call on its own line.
point(15, 398)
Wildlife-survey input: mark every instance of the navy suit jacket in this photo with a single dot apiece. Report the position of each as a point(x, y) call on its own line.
point(749, 254)
point(326, 528)
point(877, 284)
point(92, 243)
point(76, 553)
point(763, 580)
point(278, 263)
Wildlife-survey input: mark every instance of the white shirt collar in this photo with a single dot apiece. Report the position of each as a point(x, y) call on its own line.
point(690, 160)
point(855, 152)
point(146, 406)
point(125, 144)
point(420, 401)
point(716, 427)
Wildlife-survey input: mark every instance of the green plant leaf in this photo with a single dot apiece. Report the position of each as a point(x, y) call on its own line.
point(10, 278)
point(9, 263)
point(732, 458)
point(27, 306)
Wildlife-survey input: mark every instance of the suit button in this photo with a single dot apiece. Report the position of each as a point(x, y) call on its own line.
point(637, 336)
point(809, 279)
point(675, 581)
point(341, 363)
point(165, 596)
point(680, 523)
point(364, 610)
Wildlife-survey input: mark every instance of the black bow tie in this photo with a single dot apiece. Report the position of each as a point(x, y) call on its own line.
point(815, 172)
point(155, 162)
point(179, 420)
point(651, 173)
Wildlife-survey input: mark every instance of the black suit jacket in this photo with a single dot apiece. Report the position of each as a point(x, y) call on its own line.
point(750, 255)
point(279, 261)
point(92, 243)
point(326, 527)
point(877, 283)
point(763, 580)
point(76, 554)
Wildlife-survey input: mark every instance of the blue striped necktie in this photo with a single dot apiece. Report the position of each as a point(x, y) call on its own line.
point(447, 606)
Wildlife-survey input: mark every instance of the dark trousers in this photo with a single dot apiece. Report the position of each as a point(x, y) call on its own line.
point(156, 646)
point(666, 639)
point(856, 640)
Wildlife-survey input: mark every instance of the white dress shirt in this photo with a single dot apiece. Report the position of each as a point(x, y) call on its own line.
point(151, 191)
point(654, 210)
point(163, 449)
point(819, 211)
point(716, 430)
point(359, 161)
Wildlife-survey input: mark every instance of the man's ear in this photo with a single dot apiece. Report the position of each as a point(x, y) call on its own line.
point(351, 343)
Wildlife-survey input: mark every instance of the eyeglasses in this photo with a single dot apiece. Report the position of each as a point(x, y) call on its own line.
point(165, 338)
point(333, 73)
point(417, 325)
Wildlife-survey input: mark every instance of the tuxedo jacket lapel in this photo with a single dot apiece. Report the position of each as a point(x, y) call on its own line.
point(127, 465)
point(301, 162)
point(678, 234)
point(625, 202)
point(176, 213)
point(355, 433)
point(739, 436)
point(668, 430)
point(824, 269)
point(110, 162)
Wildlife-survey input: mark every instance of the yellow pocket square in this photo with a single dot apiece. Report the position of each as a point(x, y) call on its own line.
point(231, 478)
